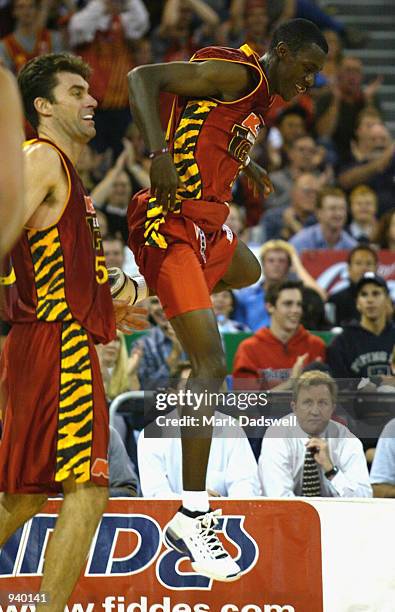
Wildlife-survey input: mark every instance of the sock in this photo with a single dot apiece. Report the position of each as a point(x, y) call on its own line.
point(141, 288)
point(195, 501)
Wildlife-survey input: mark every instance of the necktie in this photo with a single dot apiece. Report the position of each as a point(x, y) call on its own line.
point(311, 484)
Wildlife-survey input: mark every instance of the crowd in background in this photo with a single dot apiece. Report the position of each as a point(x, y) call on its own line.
point(331, 159)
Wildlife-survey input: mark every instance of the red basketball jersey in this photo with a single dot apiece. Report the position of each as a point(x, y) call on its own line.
point(211, 138)
point(59, 273)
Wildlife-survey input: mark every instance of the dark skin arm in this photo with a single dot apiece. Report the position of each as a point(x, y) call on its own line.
point(215, 79)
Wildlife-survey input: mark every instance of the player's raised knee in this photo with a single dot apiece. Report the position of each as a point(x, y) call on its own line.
point(251, 271)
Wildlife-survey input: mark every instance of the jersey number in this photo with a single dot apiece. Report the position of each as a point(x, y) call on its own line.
point(100, 262)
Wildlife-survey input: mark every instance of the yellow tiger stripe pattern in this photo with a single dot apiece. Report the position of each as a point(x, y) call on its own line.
point(47, 257)
point(155, 218)
point(185, 141)
point(75, 421)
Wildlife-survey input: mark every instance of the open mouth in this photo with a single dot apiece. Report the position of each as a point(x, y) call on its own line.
point(89, 117)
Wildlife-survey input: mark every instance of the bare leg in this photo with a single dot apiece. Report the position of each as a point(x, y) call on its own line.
point(198, 333)
point(15, 510)
point(69, 545)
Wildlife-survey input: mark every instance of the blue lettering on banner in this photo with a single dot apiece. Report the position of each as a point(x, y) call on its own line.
point(101, 561)
point(167, 568)
point(23, 554)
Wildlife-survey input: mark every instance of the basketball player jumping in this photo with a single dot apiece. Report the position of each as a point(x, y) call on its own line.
point(176, 228)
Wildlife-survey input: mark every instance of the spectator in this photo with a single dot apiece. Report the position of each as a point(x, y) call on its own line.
point(236, 221)
point(119, 255)
point(309, 9)
point(385, 233)
point(227, 476)
point(291, 123)
point(338, 109)
point(113, 359)
point(114, 252)
point(314, 315)
point(333, 58)
point(286, 221)
point(316, 456)
point(250, 24)
point(180, 33)
point(102, 33)
point(86, 166)
point(161, 351)
point(329, 232)
point(361, 259)
point(364, 349)
point(112, 196)
point(363, 204)
point(360, 144)
point(277, 258)
point(382, 473)
point(223, 305)
point(30, 37)
point(279, 261)
point(304, 157)
point(123, 479)
point(275, 356)
point(138, 163)
point(375, 167)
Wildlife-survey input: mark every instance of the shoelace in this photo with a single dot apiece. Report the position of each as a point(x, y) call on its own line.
point(205, 526)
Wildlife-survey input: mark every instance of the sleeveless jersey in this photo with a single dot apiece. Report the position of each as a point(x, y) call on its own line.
point(59, 273)
point(20, 56)
point(210, 138)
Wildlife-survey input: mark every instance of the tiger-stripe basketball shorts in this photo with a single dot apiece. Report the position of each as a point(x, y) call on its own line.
point(54, 411)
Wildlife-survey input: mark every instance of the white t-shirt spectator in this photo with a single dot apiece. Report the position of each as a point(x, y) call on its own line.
point(232, 468)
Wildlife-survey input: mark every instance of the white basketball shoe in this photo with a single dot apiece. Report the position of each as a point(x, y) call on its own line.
point(192, 534)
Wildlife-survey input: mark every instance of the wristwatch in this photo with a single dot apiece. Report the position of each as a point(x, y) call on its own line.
point(332, 472)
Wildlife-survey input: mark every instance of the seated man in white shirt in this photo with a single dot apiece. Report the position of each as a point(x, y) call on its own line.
point(231, 472)
point(314, 456)
point(382, 473)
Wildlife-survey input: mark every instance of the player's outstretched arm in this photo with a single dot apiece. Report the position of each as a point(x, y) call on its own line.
point(223, 80)
point(11, 166)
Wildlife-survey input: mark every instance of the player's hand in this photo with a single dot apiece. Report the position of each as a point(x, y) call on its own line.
point(130, 318)
point(259, 178)
point(321, 454)
point(164, 181)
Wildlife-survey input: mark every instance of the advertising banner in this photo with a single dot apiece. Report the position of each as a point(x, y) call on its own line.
point(330, 268)
point(129, 569)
